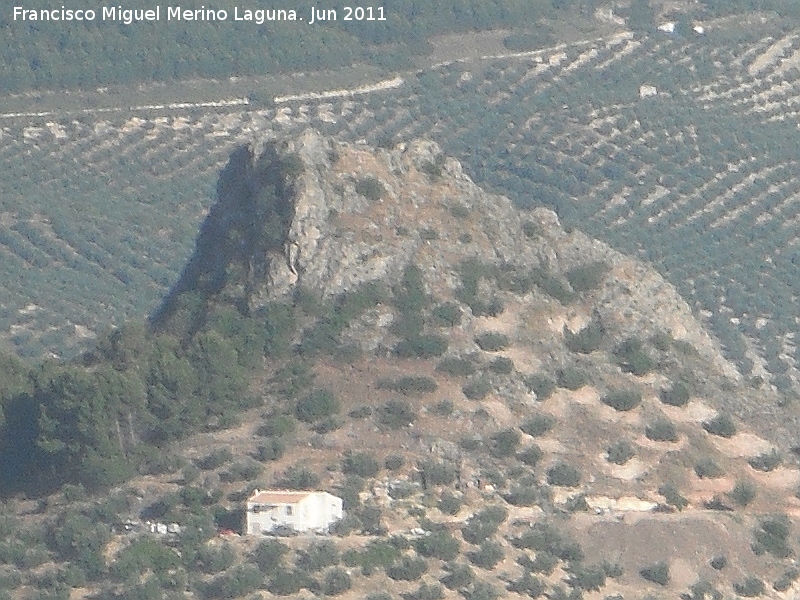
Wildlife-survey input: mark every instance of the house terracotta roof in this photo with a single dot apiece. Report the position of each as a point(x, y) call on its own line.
point(277, 497)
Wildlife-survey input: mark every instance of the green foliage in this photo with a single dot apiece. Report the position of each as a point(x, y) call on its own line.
point(772, 535)
point(632, 358)
point(572, 378)
point(316, 406)
point(438, 544)
point(492, 341)
point(447, 314)
point(214, 559)
point(721, 425)
point(378, 553)
point(483, 524)
point(272, 450)
point(587, 340)
point(620, 452)
point(268, 555)
point(530, 455)
point(277, 426)
point(286, 583)
point(317, 556)
point(743, 492)
point(336, 581)
point(751, 587)
point(719, 562)
point(142, 555)
point(586, 278)
point(544, 538)
point(421, 346)
point(435, 473)
point(622, 400)
point(538, 425)
point(504, 443)
point(477, 388)
point(767, 461)
point(656, 573)
point(590, 578)
point(360, 464)
point(457, 367)
point(541, 385)
point(458, 576)
point(488, 555)
point(397, 414)
point(370, 187)
point(501, 365)
point(298, 477)
point(74, 537)
point(563, 474)
point(673, 496)
point(662, 430)
point(394, 462)
point(450, 503)
point(409, 385)
point(707, 468)
point(407, 569)
point(443, 408)
point(677, 395)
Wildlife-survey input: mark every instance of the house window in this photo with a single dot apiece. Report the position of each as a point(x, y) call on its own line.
point(289, 510)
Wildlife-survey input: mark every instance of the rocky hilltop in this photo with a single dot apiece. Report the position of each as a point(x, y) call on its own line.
point(456, 356)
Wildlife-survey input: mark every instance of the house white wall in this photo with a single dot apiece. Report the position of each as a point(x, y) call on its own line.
point(312, 511)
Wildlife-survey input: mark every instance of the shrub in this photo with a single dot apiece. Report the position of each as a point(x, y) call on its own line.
point(437, 473)
point(564, 475)
point(538, 425)
point(587, 340)
point(335, 582)
point(409, 386)
point(501, 366)
point(541, 385)
point(632, 358)
point(407, 569)
point(443, 408)
point(504, 443)
point(439, 544)
point(286, 583)
point(488, 555)
point(531, 229)
point(421, 346)
point(481, 590)
point(677, 395)
point(672, 496)
point(272, 450)
point(743, 493)
point(450, 503)
point(277, 426)
point(447, 315)
point(457, 367)
point(656, 573)
point(751, 587)
point(397, 414)
point(786, 580)
point(767, 461)
point(586, 278)
point(719, 562)
point(622, 400)
point(458, 576)
point(483, 524)
point(523, 495)
point(620, 452)
point(299, 478)
point(587, 577)
point(235, 582)
point(268, 555)
point(572, 378)
point(394, 462)
point(531, 586)
point(216, 459)
point(370, 187)
point(546, 539)
point(708, 469)
point(360, 464)
point(662, 430)
point(317, 556)
point(721, 425)
point(426, 591)
point(772, 535)
point(477, 389)
point(492, 341)
point(317, 405)
point(530, 455)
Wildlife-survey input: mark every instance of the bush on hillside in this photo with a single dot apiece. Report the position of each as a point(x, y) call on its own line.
point(530, 455)
point(361, 464)
point(492, 341)
point(397, 414)
point(721, 425)
point(504, 443)
point(662, 430)
point(751, 587)
point(656, 573)
point(563, 474)
point(318, 405)
point(622, 400)
point(706, 468)
point(677, 395)
point(743, 493)
point(767, 461)
point(541, 385)
point(572, 378)
point(620, 452)
point(457, 367)
point(538, 425)
point(488, 555)
point(587, 340)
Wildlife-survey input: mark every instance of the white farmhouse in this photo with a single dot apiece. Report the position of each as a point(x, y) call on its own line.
point(277, 510)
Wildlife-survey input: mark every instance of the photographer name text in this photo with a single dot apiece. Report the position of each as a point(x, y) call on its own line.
point(259, 16)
